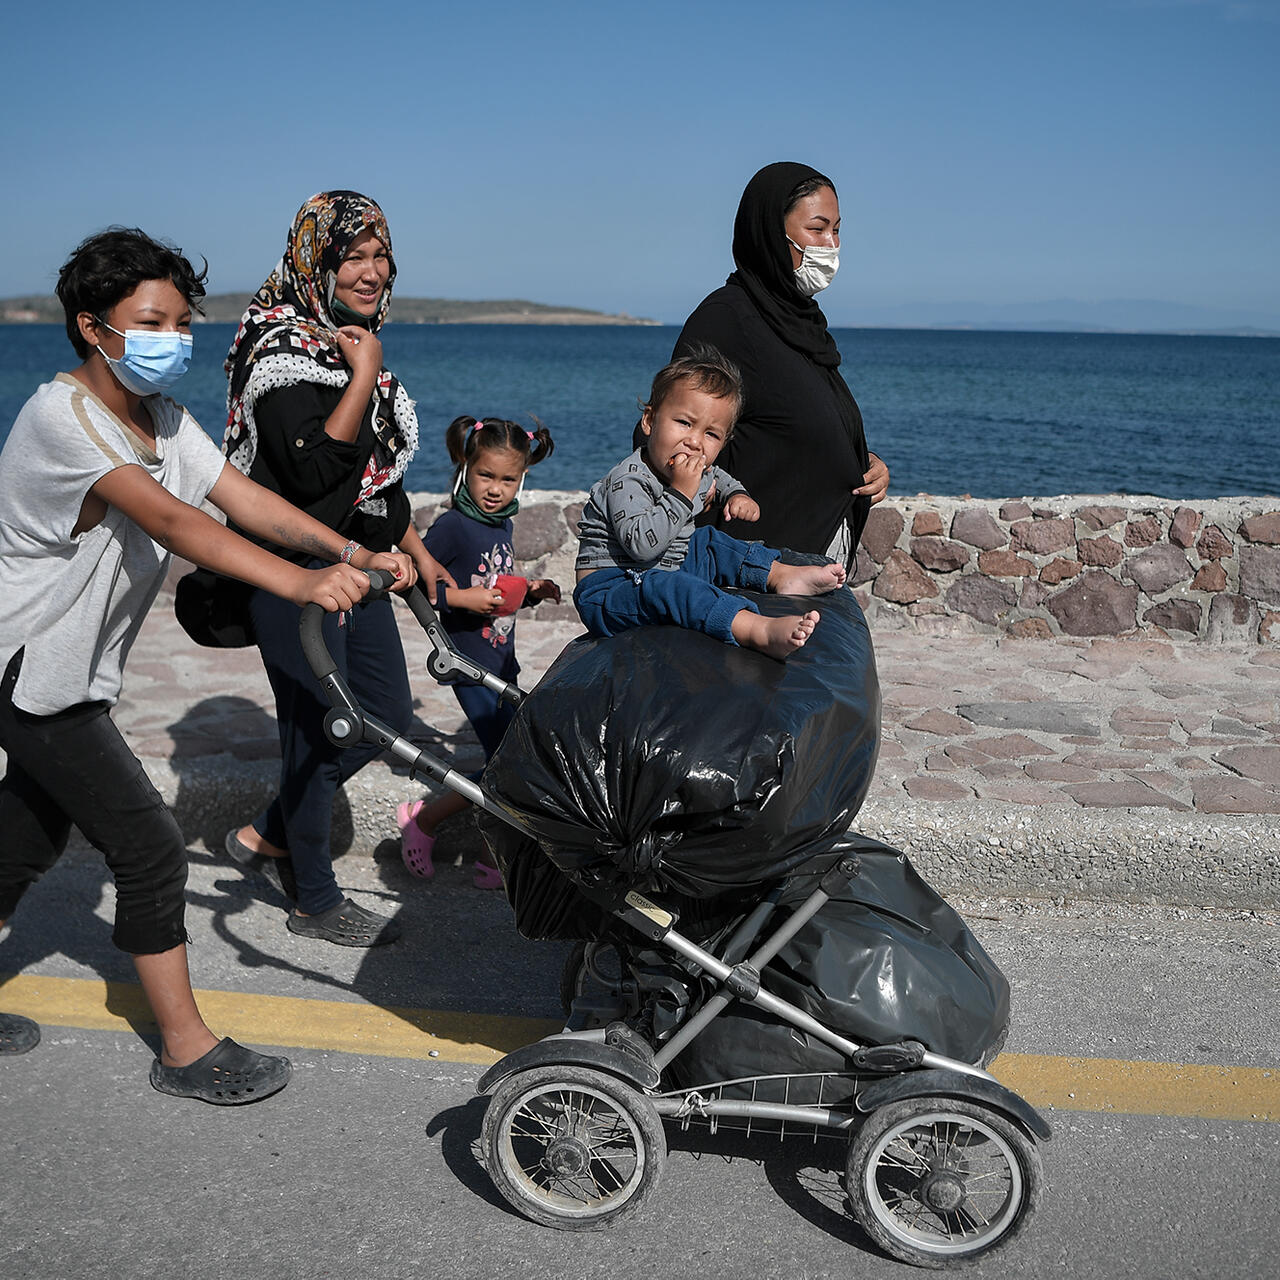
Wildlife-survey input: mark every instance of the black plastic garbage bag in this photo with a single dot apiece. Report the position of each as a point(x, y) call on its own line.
point(885, 960)
point(544, 901)
point(666, 761)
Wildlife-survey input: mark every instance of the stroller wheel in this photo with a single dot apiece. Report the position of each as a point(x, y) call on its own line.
point(935, 1181)
point(572, 1148)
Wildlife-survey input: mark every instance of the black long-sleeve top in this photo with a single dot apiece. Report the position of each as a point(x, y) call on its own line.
point(299, 460)
point(797, 454)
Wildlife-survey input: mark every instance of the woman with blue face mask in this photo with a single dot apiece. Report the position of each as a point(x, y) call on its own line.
point(799, 447)
point(101, 479)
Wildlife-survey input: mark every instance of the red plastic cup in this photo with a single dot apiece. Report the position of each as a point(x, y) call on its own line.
point(513, 593)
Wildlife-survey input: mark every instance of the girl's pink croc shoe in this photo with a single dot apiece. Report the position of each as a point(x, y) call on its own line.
point(415, 844)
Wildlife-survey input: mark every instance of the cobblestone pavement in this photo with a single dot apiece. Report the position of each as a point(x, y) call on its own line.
point(1119, 724)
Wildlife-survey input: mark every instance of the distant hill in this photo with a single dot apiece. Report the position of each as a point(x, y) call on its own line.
point(227, 308)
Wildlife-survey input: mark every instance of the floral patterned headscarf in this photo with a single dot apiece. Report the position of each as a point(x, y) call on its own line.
point(287, 335)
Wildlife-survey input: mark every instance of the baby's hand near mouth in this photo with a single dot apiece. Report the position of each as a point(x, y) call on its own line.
point(686, 473)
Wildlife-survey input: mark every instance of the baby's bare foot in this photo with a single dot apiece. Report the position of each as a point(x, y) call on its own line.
point(804, 579)
point(777, 637)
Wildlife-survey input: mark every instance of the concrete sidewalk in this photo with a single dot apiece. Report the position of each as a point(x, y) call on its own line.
point(1111, 769)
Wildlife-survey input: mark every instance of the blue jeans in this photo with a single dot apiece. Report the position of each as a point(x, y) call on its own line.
point(370, 658)
point(614, 600)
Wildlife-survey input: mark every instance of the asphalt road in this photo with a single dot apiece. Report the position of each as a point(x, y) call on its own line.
point(366, 1163)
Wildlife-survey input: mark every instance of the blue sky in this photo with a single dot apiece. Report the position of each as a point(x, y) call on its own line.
point(989, 155)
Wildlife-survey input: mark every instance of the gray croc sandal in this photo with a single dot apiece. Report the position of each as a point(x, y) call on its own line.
point(18, 1034)
point(228, 1075)
point(348, 924)
point(277, 872)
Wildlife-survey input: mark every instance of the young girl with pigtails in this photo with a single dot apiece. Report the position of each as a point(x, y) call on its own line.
point(472, 540)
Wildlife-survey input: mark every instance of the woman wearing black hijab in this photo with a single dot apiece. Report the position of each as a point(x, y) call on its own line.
point(798, 447)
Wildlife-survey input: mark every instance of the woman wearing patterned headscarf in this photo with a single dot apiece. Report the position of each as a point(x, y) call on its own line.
point(313, 415)
point(799, 446)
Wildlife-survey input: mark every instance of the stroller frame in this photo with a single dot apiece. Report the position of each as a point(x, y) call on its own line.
point(573, 1135)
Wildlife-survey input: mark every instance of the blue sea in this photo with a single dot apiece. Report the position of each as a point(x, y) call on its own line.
point(984, 413)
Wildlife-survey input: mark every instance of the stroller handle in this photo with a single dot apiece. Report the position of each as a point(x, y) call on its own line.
point(444, 662)
point(347, 724)
point(314, 649)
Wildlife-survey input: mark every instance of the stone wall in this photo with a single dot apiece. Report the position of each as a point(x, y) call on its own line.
point(1077, 566)
point(1035, 567)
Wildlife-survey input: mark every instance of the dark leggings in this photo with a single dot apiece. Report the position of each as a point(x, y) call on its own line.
point(369, 656)
point(75, 767)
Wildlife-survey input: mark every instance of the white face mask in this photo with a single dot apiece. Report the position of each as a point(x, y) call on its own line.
point(818, 266)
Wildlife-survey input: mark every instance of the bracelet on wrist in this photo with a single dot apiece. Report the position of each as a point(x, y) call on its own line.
point(348, 551)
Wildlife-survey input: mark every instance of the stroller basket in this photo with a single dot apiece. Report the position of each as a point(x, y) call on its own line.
point(777, 1100)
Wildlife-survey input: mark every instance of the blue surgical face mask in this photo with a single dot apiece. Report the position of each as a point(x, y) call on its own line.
point(151, 362)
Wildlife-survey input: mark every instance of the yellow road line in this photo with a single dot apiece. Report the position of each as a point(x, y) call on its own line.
point(1143, 1088)
point(281, 1020)
point(1119, 1086)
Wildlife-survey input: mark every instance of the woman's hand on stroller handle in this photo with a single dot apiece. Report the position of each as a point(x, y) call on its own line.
point(381, 581)
point(334, 589)
point(347, 586)
point(396, 566)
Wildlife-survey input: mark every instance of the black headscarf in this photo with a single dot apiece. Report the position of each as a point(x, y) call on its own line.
point(763, 256)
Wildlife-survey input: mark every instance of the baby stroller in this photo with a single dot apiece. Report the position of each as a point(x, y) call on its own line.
point(680, 809)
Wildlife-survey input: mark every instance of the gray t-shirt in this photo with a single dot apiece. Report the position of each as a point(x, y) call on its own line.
point(78, 602)
point(634, 521)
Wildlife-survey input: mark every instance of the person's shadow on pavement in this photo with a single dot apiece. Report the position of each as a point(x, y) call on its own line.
point(450, 929)
point(226, 754)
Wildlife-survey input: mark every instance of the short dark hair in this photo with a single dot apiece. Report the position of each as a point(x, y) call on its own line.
point(806, 188)
point(110, 265)
point(707, 370)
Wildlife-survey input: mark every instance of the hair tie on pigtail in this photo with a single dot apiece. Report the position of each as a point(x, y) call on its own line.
point(531, 436)
point(479, 424)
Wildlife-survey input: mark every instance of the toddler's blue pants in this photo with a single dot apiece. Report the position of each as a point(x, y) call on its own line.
point(613, 600)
